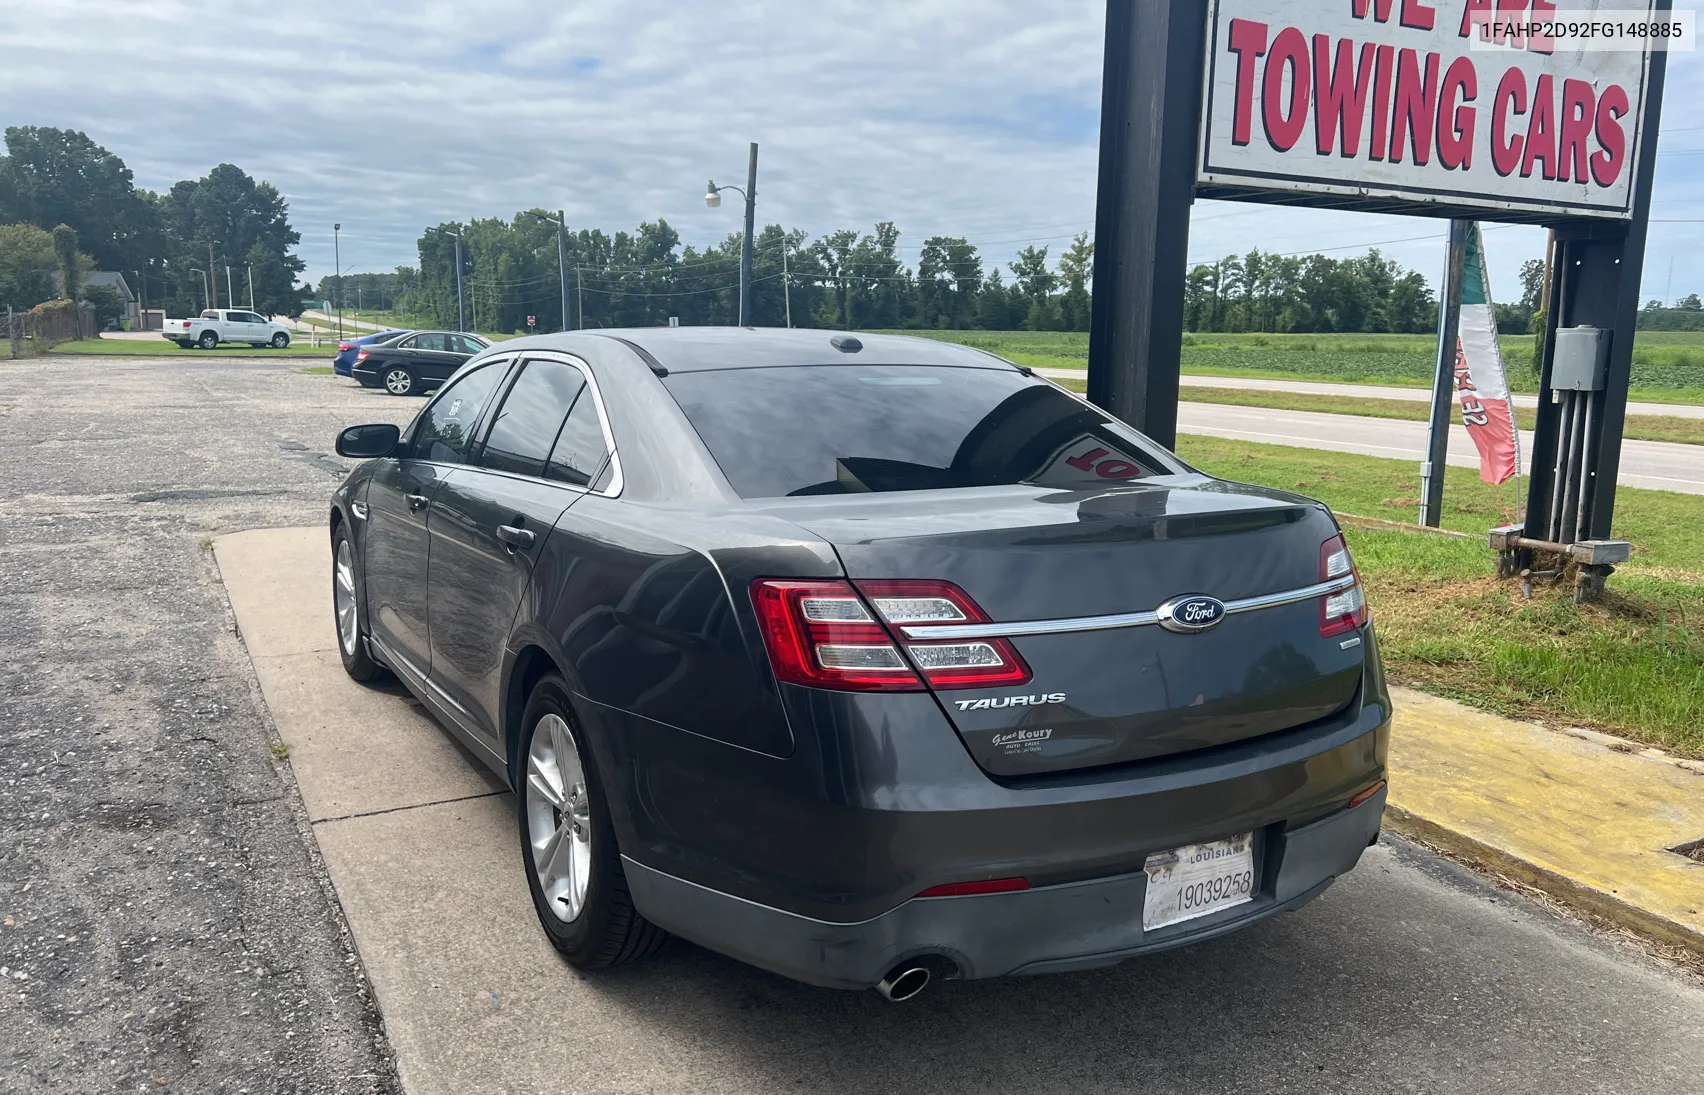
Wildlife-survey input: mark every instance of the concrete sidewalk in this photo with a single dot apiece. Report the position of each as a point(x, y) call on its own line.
point(1575, 816)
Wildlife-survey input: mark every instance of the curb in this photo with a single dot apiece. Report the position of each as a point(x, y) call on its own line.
point(1608, 906)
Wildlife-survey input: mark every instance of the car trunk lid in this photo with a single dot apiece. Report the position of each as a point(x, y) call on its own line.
point(1107, 692)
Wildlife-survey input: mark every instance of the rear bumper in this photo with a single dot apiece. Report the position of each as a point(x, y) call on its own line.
point(1078, 925)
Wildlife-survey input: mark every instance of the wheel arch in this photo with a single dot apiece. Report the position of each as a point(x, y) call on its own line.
point(531, 664)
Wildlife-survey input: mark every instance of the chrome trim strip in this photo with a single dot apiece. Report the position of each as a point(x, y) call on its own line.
point(1106, 623)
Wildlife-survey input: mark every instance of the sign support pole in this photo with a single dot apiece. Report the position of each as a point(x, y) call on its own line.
point(1150, 121)
point(1596, 269)
point(1443, 379)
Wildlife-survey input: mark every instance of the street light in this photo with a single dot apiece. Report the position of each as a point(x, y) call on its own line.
point(461, 312)
point(337, 268)
point(713, 198)
point(203, 273)
point(561, 223)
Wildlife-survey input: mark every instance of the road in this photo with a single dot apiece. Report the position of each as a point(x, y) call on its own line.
point(1366, 391)
point(162, 895)
point(1657, 465)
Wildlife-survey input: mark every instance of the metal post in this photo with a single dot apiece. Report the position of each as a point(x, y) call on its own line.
point(1150, 121)
point(1596, 282)
point(580, 298)
point(212, 276)
point(786, 282)
point(745, 249)
point(12, 329)
point(230, 290)
point(251, 286)
point(1443, 378)
point(562, 260)
point(337, 275)
point(461, 308)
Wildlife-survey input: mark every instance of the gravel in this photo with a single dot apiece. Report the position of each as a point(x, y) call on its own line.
point(165, 924)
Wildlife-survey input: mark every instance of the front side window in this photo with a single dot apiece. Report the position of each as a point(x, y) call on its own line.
point(526, 426)
point(846, 429)
point(444, 430)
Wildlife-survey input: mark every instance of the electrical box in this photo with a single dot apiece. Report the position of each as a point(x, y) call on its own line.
point(1581, 360)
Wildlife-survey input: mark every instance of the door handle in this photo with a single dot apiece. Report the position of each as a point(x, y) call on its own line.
point(416, 503)
point(516, 538)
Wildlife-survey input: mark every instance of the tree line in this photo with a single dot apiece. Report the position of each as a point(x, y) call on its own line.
point(225, 227)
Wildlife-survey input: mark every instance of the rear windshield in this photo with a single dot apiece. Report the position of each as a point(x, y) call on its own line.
point(847, 429)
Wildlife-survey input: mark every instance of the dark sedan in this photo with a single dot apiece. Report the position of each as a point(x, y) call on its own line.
point(415, 364)
point(344, 363)
point(866, 659)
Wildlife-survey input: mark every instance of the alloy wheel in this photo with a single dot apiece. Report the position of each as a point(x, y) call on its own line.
point(398, 382)
point(343, 597)
point(559, 817)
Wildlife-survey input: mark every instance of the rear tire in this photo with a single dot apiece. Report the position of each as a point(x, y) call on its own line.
point(346, 609)
point(186, 344)
point(280, 341)
point(399, 381)
point(208, 341)
point(568, 843)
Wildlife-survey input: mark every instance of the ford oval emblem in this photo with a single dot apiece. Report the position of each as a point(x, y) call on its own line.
point(1191, 613)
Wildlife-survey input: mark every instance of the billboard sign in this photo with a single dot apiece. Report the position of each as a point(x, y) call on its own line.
point(1378, 101)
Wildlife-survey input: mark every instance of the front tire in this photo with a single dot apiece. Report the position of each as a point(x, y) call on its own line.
point(346, 605)
point(399, 381)
point(208, 341)
point(280, 341)
point(568, 846)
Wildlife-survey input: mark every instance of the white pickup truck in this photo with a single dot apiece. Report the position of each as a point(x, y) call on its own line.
point(218, 325)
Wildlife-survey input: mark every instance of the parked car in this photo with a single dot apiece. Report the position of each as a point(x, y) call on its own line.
point(865, 660)
point(218, 325)
point(344, 363)
point(415, 364)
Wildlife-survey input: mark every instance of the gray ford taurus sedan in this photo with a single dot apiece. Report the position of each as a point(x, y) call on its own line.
point(863, 659)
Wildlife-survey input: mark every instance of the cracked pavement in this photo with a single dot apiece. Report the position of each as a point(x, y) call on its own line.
point(165, 924)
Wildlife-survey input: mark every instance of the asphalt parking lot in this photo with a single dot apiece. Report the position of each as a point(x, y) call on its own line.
point(167, 923)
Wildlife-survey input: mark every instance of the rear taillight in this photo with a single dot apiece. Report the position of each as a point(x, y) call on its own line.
point(1346, 609)
point(362, 356)
point(822, 634)
point(959, 663)
point(344, 347)
point(186, 324)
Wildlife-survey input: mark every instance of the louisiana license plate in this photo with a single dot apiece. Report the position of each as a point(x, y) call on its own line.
point(1197, 880)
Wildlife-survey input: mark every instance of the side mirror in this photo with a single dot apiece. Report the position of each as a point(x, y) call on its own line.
point(368, 442)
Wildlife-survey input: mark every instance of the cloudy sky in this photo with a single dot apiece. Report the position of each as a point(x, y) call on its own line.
point(944, 116)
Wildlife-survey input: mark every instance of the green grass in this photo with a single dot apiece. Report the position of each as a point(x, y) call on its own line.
point(159, 347)
point(1643, 427)
point(1632, 664)
point(1668, 366)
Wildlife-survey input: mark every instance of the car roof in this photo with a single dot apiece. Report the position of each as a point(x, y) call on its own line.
point(700, 349)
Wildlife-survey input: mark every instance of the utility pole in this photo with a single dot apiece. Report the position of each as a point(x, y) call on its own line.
point(562, 260)
point(580, 298)
point(337, 276)
point(1443, 379)
point(786, 282)
point(745, 250)
point(251, 286)
point(461, 309)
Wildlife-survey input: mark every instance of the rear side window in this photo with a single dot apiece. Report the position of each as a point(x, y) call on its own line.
point(444, 430)
point(430, 342)
point(461, 344)
point(580, 449)
point(526, 426)
point(847, 429)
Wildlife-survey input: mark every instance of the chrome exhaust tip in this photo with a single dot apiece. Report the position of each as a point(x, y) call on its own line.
point(903, 982)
